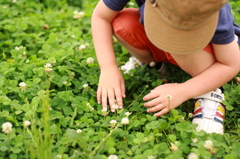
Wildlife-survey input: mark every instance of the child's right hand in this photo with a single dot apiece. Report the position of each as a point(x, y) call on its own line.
point(111, 88)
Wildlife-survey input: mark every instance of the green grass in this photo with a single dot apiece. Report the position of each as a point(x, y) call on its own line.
point(63, 100)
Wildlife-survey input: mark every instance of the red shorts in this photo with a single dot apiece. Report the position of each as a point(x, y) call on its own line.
point(128, 27)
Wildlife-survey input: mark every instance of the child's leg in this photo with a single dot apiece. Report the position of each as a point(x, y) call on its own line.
point(196, 63)
point(208, 110)
point(131, 34)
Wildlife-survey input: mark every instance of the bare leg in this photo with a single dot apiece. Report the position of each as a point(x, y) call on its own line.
point(195, 63)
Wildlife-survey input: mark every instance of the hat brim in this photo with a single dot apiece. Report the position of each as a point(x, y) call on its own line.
point(174, 40)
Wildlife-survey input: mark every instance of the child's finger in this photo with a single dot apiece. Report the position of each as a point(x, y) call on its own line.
point(104, 98)
point(118, 96)
point(153, 102)
point(162, 112)
point(123, 89)
point(155, 108)
point(111, 99)
point(151, 95)
point(99, 95)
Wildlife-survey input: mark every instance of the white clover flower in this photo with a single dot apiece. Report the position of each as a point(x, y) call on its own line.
point(18, 48)
point(79, 131)
point(113, 122)
point(22, 86)
point(85, 85)
point(48, 67)
point(193, 156)
point(181, 119)
point(65, 82)
point(90, 60)
point(208, 144)
point(14, 1)
point(89, 105)
point(113, 157)
point(136, 62)
point(104, 112)
point(71, 75)
point(151, 157)
point(81, 47)
point(131, 3)
point(173, 147)
point(190, 115)
point(127, 114)
point(169, 97)
point(125, 121)
point(27, 123)
point(59, 156)
point(73, 36)
point(115, 106)
point(152, 64)
point(78, 15)
point(7, 127)
point(194, 140)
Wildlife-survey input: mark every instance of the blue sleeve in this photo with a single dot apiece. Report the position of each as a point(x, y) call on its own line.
point(226, 28)
point(116, 5)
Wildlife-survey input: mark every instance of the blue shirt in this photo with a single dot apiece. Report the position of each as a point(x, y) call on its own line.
point(225, 31)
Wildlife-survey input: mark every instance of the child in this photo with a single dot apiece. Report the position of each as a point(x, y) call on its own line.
point(198, 36)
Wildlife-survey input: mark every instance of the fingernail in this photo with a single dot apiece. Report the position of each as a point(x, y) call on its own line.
point(113, 110)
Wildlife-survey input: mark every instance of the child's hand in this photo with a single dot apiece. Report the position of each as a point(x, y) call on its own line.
point(111, 88)
point(160, 95)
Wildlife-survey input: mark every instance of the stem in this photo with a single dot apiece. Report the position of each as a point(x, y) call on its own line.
point(74, 115)
point(125, 130)
point(169, 104)
point(32, 137)
point(100, 144)
point(166, 137)
point(9, 143)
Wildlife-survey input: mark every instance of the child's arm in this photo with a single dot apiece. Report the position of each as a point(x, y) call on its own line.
point(226, 66)
point(111, 83)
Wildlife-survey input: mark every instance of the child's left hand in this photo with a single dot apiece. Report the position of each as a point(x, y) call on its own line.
point(159, 98)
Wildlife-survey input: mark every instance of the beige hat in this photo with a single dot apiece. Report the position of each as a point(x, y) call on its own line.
point(181, 26)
